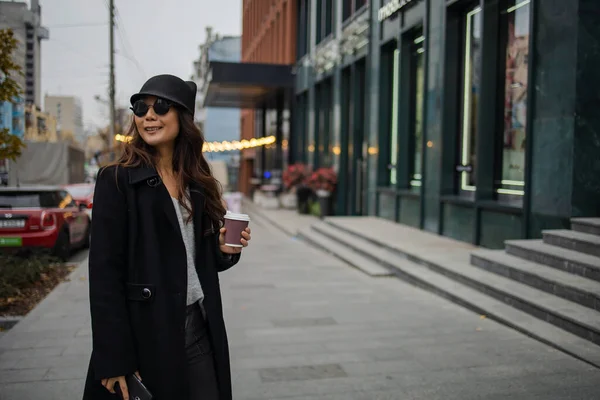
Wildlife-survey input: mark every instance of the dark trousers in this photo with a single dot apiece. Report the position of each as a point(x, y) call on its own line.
point(200, 362)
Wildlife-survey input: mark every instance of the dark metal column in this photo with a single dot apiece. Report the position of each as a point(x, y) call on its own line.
point(293, 129)
point(487, 139)
point(263, 133)
point(531, 96)
point(279, 103)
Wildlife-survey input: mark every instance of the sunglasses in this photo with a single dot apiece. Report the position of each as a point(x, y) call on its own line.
point(160, 107)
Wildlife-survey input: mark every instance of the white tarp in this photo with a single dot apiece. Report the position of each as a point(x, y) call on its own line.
point(43, 163)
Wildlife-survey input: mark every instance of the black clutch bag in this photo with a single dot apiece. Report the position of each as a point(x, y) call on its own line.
point(137, 390)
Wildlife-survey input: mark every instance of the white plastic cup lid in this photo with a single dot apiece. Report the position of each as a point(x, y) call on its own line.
point(237, 217)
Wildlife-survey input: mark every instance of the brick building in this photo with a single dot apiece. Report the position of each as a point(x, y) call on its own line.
point(268, 36)
point(261, 85)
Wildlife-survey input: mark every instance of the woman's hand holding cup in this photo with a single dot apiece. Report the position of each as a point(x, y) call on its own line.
point(236, 234)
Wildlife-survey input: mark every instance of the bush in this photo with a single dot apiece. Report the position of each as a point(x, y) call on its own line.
point(295, 175)
point(322, 179)
point(19, 272)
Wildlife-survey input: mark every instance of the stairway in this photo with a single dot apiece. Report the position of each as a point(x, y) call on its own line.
point(548, 289)
point(563, 268)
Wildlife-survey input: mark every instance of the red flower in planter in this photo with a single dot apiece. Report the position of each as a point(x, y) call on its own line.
point(322, 179)
point(295, 175)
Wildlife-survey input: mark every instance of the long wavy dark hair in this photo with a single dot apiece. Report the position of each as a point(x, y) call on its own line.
point(189, 164)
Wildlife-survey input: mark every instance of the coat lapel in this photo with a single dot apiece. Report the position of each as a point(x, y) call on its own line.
point(166, 203)
point(198, 203)
point(149, 176)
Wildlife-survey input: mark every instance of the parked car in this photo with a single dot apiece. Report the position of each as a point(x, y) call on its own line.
point(42, 217)
point(83, 194)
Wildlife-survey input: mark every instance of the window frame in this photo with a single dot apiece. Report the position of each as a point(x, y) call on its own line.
point(349, 9)
point(324, 20)
point(414, 38)
point(407, 108)
point(466, 124)
point(303, 35)
point(502, 192)
point(394, 117)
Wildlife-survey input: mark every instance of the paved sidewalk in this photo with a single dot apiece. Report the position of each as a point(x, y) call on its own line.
point(45, 356)
point(302, 325)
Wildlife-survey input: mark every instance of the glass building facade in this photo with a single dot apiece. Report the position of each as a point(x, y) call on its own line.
point(471, 119)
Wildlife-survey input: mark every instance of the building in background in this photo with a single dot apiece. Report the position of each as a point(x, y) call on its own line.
point(26, 24)
point(6, 115)
point(94, 144)
point(261, 85)
point(11, 18)
point(222, 123)
point(331, 93)
point(40, 126)
point(219, 124)
point(12, 116)
point(113, 145)
point(18, 117)
point(123, 119)
point(200, 76)
point(268, 38)
point(447, 116)
point(68, 113)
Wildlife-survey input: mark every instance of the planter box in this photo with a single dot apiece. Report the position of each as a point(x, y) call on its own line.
point(258, 197)
point(288, 201)
point(271, 203)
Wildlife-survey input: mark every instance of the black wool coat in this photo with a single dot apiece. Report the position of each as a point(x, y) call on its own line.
point(138, 285)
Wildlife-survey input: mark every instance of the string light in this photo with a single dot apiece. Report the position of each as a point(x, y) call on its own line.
point(217, 147)
point(123, 138)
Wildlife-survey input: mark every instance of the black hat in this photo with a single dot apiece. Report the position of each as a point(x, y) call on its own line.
point(169, 87)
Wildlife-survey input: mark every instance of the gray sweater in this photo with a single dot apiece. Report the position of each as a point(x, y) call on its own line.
point(194, 291)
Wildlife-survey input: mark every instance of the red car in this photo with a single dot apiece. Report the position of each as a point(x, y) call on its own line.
point(42, 217)
point(83, 194)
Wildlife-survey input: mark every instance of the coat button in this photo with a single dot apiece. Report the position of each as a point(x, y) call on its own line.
point(146, 293)
point(153, 182)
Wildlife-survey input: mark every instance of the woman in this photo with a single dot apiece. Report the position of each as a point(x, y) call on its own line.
point(155, 256)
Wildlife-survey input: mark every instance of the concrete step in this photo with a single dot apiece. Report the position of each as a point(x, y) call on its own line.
point(566, 260)
point(286, 221)
point(570, 316)
point(261, 216)
point(348, 241)
point(573, 240)
point(567, 326)
point(349, 255)
point(258, 219)
point(574, 318)
point(575, 288)
point(586, 225)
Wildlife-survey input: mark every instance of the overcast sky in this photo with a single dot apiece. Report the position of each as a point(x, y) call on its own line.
point(162, 36)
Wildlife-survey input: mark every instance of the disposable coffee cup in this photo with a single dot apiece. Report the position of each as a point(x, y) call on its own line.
point(235, 225)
